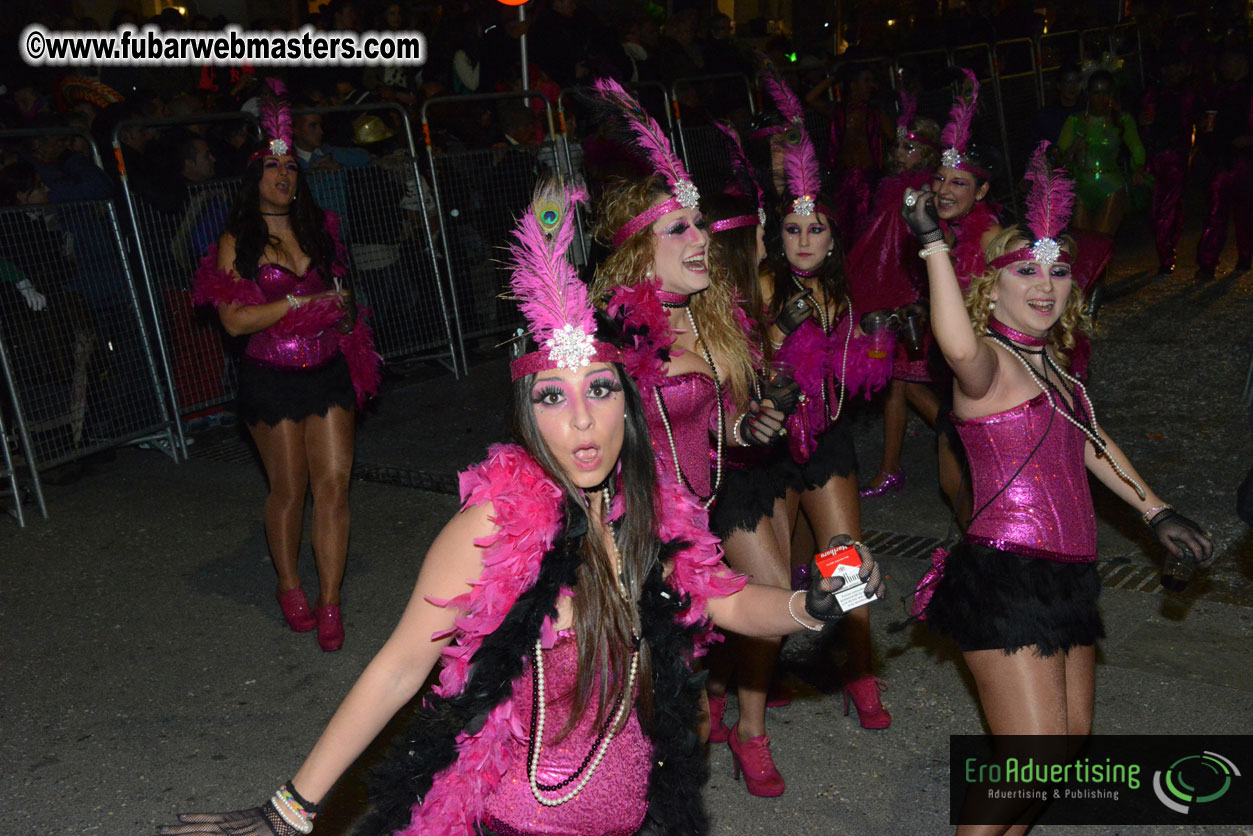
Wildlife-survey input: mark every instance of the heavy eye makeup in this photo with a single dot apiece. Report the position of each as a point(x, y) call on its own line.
point(551, 394)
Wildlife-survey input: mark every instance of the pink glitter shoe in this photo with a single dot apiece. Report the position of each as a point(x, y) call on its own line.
point(894, 482)
point(330, 628)
point(753, 758)
point(295, 607)
point(864, 693)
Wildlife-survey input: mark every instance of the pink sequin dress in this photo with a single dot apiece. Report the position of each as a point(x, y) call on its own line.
point(691, 409)
point(612, 803)
point(276, 350)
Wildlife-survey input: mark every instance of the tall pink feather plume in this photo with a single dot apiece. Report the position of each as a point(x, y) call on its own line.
point(956, 133)
point(275, 113)
point(783, 97)
point(543, 280)
point(909, 109)
point(1052, 196)
point(649, 134)
point(740, 163)
point(800, 166)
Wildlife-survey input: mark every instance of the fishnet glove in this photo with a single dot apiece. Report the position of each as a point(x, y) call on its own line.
point(921, 216)
point(783, 393)
point(761, 424)
point(1182, 537)
point(820, 600)
point(259, 821)
point(795, 311)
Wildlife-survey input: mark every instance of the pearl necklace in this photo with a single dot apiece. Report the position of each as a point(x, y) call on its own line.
point(705, 501)
point(1093, 433)
point(618, 568)
point(538, 712)
point(848, 341)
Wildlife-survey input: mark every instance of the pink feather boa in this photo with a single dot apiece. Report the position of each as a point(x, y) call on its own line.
point(968, 257)
point(212, 285)
point(808, 351)
point(863, 375)
point(527, 507)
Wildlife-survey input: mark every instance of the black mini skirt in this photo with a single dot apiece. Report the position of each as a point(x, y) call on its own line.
point(268, 395)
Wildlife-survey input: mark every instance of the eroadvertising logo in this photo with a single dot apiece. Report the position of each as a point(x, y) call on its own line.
point(1194, 779)
point(1102, 779)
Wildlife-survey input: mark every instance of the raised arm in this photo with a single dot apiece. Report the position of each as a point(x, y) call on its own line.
point(394, 675)
point(972, 360)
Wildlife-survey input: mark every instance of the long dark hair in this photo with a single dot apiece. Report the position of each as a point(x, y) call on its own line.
point(830, 276)
point(733, 254)
point(605, 626)
point(252, 236)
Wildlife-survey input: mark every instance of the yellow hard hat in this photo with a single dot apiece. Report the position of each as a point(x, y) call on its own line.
point(368, 129)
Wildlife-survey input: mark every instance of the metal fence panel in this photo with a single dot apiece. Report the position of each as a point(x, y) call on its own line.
point(1020, 100)
point(14, 437)
point(929, 74)
point(79, 354)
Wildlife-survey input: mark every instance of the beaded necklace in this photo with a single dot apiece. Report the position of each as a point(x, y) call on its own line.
point(705, 501)
point(1086, 422)
point(826, 329)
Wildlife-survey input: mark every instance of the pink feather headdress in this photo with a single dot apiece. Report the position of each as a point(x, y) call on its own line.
point(909, 109)
point(956, 134)
point(743, 171)
point(275, 119)
point(1049, 205)
point(804, 175)
point(660, 155)
point(786, 101)
point(548, 289)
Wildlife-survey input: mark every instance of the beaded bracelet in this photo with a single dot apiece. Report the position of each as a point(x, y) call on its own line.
point(1148, 515)
point(792, 613)
point(293, 300)
point(933, 249)
point(735, 430)
point(293, 809)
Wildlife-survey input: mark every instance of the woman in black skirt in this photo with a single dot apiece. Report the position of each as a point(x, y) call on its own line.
point(1019, 593)
point(277, 276)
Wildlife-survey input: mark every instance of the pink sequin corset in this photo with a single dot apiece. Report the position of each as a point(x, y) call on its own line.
point(613, 802)
point(1046, 511)
point(691, 405)
point(290, 351)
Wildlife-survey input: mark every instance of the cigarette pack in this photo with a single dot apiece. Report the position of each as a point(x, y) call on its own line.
point(844, 562)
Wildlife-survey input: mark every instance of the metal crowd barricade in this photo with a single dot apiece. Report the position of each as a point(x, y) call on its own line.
point(704, 147)
point(1055, 50)
point(1125, 44)
point(10, 467)
point(389, 227)
point(79, 351)
point(1021, 99)
point(169, 242)
point(478, 195)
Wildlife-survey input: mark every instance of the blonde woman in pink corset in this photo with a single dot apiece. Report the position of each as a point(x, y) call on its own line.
point(1019, 593)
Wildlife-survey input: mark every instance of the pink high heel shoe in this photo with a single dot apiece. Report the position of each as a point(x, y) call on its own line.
point(295, 607)
point(718, 731)
point(330, 628)
point(753, 758)
point(864, 693)
point(894, 482)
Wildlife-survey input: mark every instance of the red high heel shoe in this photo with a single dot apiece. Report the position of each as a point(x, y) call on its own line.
point(718, 731)
point(295, 607)
point(330, 628)
point(753, 757)
point(865, 695)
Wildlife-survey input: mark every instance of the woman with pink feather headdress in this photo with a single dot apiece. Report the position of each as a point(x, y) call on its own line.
point(814, 330)
point(278, 276)
point(564, 604)
point(1019, 592)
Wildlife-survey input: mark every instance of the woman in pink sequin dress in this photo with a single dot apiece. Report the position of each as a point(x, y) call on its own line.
point(276, 276)
point(1019, 593)
point(565, 602)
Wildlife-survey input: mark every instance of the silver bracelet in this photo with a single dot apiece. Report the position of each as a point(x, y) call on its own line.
point(1148, 515)
point(292, 300)
point(792, 612)
point(735, 429)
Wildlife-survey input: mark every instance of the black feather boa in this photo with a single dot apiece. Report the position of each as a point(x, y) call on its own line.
point(675, 803)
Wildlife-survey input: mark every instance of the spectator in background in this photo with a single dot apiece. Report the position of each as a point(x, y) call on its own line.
point(229, 142)
point(641, 63)
point(681, 55)
point(467, 41)
point(324, 162)
point(570, 44)
point(68, 175)
point(204, 210)
point(1168, 117)
point(1227, 140)
point(1050, 118)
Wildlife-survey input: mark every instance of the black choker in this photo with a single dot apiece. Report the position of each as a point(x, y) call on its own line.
point(276, 214)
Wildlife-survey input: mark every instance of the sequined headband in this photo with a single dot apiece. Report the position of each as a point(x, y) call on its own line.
point(569, 348)
point(739, 220)
point(1045, 251)
point(648, 216)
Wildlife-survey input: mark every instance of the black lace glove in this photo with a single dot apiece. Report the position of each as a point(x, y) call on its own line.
point(795, 311)
point(820, 600)
point(761, 425)
point(259, 821)
point(1182, 537)
point(921, 215)
point(782, 393)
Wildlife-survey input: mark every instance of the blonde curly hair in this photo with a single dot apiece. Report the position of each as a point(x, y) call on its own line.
point(713, 307)
point(1074, 319)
